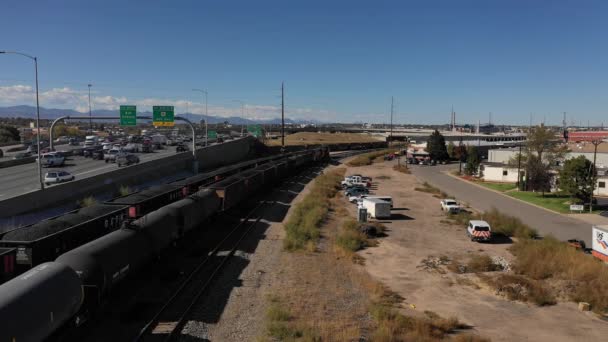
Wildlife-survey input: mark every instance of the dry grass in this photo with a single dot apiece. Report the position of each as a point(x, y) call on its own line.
point(303, 226)
point(517, 287)
point(552, 259)
point(508, 225)
point(428, 188)
point(476, 263)
point(369, 158)
point(314, 138)
point(402, 169)
point(350, 238)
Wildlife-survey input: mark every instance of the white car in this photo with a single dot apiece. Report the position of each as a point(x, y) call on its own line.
point(450, 205)
point(55, 177)
point(52, 159)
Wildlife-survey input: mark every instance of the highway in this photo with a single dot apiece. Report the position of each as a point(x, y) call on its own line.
point(546, 222)
point(20, 179)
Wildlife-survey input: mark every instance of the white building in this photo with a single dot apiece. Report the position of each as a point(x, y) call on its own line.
point(498, 172)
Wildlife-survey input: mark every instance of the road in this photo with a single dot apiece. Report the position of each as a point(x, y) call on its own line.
point(546, 222)
point(20, 179)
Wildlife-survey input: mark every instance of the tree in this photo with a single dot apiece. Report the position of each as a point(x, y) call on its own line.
point(538, 175)
point(451, 150)
point(8, 133)
point(473, 161)
point(576, 178)
point(436, 147)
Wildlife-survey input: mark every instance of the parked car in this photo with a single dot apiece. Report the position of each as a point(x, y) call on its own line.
point(356, 191)
point(52, 159)
point(478, 230)
point(22, 155)
point(57, 177)
point(182, 148)
point(450, 205)
point(73, 142)
point(126, 159)
point(110, 156)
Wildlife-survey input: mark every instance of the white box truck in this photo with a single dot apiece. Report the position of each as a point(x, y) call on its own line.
point(377, 208)
point(599, 242)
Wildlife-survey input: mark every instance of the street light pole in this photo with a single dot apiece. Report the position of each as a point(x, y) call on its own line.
point(35, 59)
point(206, 114)
point(90, 116)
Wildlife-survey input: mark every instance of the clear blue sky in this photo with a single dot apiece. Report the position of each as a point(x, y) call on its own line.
point(340, 60)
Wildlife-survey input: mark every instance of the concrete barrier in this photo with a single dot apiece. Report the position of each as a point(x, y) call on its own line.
point(15, 162)
point(209, 157)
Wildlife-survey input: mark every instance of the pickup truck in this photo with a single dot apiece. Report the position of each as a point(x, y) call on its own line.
point(110, 156)
point(450, 206)
point(478, 230)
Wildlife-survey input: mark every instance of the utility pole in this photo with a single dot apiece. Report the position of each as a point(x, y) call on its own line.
point(519, 169)
point(90, 116)
point(283, 116)
point(206, 113)
point(392, 107)
point(593, 175)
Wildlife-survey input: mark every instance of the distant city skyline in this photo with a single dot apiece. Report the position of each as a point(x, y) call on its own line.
point(341, 60)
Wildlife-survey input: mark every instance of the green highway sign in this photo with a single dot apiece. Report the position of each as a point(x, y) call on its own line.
point(255, 130)
point(163, 116)
point(128, 115)
point(212, 135)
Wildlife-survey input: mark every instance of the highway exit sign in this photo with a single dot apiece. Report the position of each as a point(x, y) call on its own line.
point(163, 116)
point(212, 135)
point(255, 130)
point(128, 115)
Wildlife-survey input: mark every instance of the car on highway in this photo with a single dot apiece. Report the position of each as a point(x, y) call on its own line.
point(52, 159)
point(131, 148)
point(182, 148)
point(126, 159)
point(106, 146)
point(22, 155)
point(62, 139)
point(88, 151)
point(55, 177)
point(110, 156)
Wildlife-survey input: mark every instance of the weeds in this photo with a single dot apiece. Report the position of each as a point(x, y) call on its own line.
point(475, 264)
point(278, 323)
point(402, 168)
point(303, 225)
point(350, 238)
point(517, 287)
point(426, 187)
point(87, 202)
point(125, 190)
point(508, 225)
point(368, 158)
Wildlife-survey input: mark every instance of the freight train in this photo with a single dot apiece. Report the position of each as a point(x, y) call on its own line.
point(25, 247)
point(65, 292)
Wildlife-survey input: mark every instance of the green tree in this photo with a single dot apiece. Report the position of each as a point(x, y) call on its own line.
point(451, 150)
point(8, 133)
point(577, 178)
point(473, 161)
point(436, 147)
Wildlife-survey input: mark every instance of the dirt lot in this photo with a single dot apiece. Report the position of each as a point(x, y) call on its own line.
point(303, 138)
point(419, 230)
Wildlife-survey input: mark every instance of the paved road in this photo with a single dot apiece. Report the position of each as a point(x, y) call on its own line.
point(20, 179)
point(544, 221)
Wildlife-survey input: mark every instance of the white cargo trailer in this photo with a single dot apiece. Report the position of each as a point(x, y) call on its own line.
point(599, 242)
point(377, 208)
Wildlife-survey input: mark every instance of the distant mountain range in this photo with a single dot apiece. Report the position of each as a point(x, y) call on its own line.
point(54, 113)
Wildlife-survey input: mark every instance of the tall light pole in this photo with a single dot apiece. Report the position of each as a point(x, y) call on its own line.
point(242, 112)
point(35, 59)
point(90, 116)
point(206, 114)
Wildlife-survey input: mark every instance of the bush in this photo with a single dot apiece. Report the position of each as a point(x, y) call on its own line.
point(303, 225)
point(508, 225)
point(550, 258)
point(482, 263)
point(350, 238)
point(368, 158)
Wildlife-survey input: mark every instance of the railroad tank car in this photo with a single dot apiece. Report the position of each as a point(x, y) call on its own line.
point(194, 209)
point(160, 226)
point(103, 263)
point(145, 201)
point(7, 263)
point(46, 240)
point(38, 302)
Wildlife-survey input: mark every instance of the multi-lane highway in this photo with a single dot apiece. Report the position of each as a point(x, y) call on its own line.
point(20, 179)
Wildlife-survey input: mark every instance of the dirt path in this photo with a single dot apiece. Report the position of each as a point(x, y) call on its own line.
point(418, 232)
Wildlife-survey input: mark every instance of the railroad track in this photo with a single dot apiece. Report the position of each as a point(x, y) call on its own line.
point(168, 322)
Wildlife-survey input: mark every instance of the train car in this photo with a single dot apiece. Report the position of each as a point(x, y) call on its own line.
point(254, 180)
point(269, 172)
point(38, 302)
point(101, 264)
point(46, 240)
point(7, 263)
point(148, 200)
point(282, 168)
point(231, 190)
point(160, 226)
point(194, 209)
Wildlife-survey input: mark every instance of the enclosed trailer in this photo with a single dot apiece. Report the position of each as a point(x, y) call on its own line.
point(377, 208)
point(599, 242)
